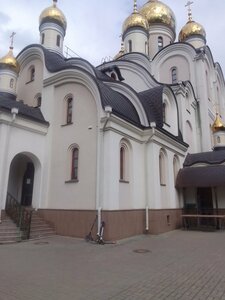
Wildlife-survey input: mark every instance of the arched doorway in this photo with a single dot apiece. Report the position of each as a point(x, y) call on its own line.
point(21, 179)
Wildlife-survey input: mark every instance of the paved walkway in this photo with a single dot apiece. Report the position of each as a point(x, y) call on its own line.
point(176, 265)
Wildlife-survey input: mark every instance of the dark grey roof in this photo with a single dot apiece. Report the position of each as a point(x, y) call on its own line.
point(55, 62)
point(152, 101)
point(211, 157)
point(8, 101)
point(205, 176)
point(121, 106)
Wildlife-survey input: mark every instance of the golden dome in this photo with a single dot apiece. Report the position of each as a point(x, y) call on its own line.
point(191, 28)
point(53, 13)
point(157, 12)
point(9, 62)
point(135, 20)
point(218, 124)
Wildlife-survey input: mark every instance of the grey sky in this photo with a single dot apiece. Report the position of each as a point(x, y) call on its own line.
point(94, 26)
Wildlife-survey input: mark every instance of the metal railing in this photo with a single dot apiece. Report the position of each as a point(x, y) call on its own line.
point(21, 215)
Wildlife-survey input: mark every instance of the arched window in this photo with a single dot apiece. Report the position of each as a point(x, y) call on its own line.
point(124, 162)
point(11, 83)
point(113, 75)
point(37, 100)
point(176, 167)
point(160, 42)
point(58, 40)
point(162, 168)
point(42, 38)
point(164, 112)
point(69, 112)
point(174, 75)
point(74, 165)
point(146, 48)
point(32, 73)
point(129, 46)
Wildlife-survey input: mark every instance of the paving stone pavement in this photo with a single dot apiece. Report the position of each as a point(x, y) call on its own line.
point(178, 265)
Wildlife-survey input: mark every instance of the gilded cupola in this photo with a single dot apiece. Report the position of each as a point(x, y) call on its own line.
point(9, 61)
point(218, 125)
point(135, 20)
point(156, 12)
point(191, 28)
point(53, 14)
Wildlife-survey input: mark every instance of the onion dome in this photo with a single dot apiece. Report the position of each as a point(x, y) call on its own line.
point(191, 28)
point(53, 14)
point(121, 52)
point(9, 61)
point(218, 125)
point(135, 20)
point(157, 12)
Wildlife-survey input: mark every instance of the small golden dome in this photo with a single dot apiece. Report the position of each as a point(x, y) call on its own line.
point(218, 124)
point(135, 20)
point(191, 28)
point(53, 13)
point(9, 62)
point(157, 12)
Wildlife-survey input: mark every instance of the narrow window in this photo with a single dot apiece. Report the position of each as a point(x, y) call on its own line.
point(113, 76)
point(174, 75)
point(129, 46)
point(11, 84)
point(164, 112)
point(42, 38)
point(146, 48)
point(58, 41)
point(32, 74)
point(122, 163)
point(160, 43)
point(162, 169)
point(39, 101)
point(74, 167)
point(69, 111)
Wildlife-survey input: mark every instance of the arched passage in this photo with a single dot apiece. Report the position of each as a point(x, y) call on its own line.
point(24, 179)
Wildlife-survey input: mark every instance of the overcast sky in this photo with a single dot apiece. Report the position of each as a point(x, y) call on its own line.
point(94, 26)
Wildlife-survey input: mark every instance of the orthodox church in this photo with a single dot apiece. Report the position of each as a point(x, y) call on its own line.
point(134, 140)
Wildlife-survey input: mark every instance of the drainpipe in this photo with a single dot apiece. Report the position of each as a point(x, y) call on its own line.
point(108, 110)
point(14, 112)
point(153, 126)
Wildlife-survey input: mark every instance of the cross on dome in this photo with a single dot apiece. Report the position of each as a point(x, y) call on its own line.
point(189, 3)
point(135, 6)
point(12, 39)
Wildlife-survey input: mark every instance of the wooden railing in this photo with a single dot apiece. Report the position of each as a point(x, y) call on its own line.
point(20, 215)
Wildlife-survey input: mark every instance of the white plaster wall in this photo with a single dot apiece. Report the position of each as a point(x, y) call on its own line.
point(139, 39)
point(20, 140)
point(156, 31)
point(5, 78)
point(182, 65)
point(26, 89)
point(51, 31)
point(81, 194)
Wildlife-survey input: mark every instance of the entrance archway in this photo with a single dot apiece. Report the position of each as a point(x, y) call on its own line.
point(21, 179)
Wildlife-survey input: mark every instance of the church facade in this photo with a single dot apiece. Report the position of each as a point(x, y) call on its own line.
point(128, 140)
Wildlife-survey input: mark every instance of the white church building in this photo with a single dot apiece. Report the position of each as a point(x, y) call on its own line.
point(135, 140)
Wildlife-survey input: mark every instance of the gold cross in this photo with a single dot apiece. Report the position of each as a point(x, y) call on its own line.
point(189, 3)
point(12, 39)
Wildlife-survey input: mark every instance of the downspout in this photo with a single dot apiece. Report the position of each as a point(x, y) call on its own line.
point(108, 110)
point(153, 125)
